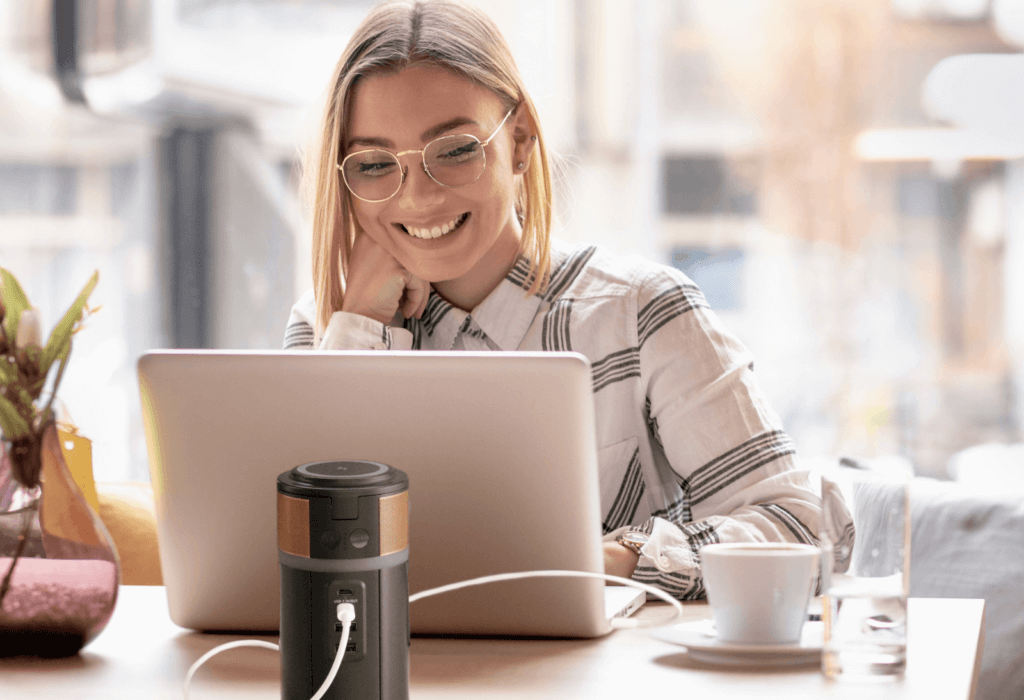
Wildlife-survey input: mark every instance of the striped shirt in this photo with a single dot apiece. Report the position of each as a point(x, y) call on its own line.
point(689, 450)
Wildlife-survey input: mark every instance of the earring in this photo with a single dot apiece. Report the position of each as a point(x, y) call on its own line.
point(521, 165)
point(533, 138)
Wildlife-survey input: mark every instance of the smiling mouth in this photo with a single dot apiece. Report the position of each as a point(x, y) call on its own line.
point(436, 231)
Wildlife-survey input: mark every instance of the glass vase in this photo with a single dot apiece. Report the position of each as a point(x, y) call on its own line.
point(59, 571)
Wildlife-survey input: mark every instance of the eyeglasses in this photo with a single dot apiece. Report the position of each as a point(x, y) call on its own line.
point(376, 175)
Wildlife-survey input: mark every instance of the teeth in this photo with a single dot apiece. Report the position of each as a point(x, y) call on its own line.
point(436, 231)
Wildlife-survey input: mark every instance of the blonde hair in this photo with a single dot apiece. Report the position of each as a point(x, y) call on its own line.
point(447, 34)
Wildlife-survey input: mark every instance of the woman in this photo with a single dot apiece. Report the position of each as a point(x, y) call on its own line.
point(431, 197)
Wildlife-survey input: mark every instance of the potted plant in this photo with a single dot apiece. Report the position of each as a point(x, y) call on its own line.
point(59, 570)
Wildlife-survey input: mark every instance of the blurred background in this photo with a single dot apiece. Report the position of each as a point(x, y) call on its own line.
point(843, 178)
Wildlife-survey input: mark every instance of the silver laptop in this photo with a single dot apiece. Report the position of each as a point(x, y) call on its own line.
point(500, 451)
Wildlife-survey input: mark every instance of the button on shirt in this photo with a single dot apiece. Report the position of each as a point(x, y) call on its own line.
point(688, 449)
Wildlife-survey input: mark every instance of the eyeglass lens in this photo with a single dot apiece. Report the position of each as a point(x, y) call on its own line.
point(451, 160)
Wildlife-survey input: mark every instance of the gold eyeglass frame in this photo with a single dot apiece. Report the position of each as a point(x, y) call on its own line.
point(423, 158)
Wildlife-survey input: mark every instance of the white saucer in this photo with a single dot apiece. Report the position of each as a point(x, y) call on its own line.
point(702, 644)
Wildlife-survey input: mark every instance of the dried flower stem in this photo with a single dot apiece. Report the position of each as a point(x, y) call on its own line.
point(56, 383)
point(22, 541)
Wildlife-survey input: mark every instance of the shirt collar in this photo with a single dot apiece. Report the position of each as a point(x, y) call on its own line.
point(441, 321)
point(505, 315)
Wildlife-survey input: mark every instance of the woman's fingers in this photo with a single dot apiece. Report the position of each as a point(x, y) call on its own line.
point(378, 286)
point(417, 293)
point(376, 282)
point(423, 304)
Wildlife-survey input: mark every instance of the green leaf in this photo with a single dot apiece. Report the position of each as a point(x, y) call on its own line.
point(11, 422)
point(15, 302)
point(33, 354)
point(59, 344)
point(8, 371)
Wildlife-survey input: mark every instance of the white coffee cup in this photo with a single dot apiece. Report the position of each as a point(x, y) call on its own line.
point(759, 591)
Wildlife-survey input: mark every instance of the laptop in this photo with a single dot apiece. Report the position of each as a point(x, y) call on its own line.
point(500, 450)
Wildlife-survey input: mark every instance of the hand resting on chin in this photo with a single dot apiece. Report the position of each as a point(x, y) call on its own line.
point(378, 286)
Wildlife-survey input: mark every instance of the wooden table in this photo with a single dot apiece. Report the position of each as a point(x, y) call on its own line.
point(142, 654)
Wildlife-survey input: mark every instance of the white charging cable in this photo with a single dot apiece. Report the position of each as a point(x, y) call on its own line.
point(346, 613)
point(224, 647)
point(617, 623)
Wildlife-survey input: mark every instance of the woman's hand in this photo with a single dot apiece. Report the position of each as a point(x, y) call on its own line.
point(618, 560)
point(378, 286)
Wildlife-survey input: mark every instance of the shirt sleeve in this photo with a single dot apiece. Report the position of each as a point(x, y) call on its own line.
point(348, 331)
point(299, 333)
point(345, 331)
point(730, 467)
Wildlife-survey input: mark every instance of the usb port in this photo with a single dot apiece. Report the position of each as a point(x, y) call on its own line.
point(338, 626)
point(345, 591)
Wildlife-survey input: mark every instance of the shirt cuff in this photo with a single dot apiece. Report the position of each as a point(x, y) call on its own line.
point(348, 331)
point(668, 549)
point(669, 560)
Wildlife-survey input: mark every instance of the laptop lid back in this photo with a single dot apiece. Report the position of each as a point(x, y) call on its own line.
point(499, 449)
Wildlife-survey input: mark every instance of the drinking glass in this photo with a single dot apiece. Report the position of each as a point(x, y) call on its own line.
point(866, 579)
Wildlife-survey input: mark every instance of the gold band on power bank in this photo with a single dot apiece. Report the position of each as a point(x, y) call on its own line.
point(394, 523)
point(293, 524)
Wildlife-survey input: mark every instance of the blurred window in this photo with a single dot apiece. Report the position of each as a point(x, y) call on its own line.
point(705, 185)
point(923, 195)
point(718, 273)
point(38, 189)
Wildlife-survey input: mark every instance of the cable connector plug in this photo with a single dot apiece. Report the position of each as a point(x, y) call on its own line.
point(346, 612)
point(624, 623)
point(347, 615)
